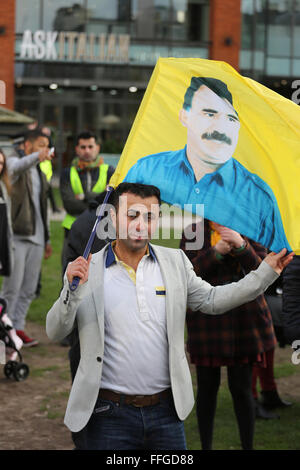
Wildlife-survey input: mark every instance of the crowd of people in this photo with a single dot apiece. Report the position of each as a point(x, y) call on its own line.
point(131, 385)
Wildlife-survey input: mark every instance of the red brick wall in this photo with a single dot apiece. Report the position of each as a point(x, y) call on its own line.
point(7, 49)
point(225, 22)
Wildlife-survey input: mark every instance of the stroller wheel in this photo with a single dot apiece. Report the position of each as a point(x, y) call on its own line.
point(9, 368)
point(20, 371)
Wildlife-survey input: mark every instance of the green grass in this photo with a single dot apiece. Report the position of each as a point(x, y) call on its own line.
point(40, 372)
point(283, 433)
point(275, 434)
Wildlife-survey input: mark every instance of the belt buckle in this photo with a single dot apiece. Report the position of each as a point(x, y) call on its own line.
point(134, 402)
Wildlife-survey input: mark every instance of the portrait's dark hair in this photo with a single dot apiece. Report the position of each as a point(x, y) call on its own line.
point(138, 189)
point(85, 135)
point(217, 86)
point(34, 134)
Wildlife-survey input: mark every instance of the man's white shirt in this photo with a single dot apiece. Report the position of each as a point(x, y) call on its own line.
point(136, 359)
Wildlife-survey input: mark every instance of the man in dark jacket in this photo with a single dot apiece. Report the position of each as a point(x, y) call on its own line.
point(87, 176)
point(30, 228)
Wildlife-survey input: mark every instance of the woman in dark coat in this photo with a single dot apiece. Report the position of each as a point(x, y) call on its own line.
point(237, 339)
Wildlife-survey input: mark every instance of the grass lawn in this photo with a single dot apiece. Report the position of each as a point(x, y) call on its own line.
point(283, 433)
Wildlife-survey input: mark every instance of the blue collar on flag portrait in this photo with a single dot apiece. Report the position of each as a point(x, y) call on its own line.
point(222, 177)
point(111, 257)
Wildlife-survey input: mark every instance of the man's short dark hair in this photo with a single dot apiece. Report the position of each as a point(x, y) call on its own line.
point(138, 189)
point(85, 135)
point(34, 134)
point(217, 86)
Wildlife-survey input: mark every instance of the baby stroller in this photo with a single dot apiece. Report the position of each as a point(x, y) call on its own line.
point(11, 344)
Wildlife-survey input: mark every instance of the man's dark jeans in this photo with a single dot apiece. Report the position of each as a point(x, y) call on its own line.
point(115, 426)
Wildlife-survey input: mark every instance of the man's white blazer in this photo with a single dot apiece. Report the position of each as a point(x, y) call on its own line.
point(183, 289)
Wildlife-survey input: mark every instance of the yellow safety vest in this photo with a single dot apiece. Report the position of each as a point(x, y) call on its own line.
point(46, 168)
point(76, 185)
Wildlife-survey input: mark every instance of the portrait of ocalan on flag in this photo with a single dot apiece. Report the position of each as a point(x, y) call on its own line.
point(205, 135)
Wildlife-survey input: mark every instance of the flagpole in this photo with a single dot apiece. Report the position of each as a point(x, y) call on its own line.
point(87, 250)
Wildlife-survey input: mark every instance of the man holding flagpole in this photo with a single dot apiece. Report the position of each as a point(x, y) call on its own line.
point(133, 388)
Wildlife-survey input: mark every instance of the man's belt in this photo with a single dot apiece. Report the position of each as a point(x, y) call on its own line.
point(135, 400)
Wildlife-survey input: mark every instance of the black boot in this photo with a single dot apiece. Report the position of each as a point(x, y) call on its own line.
point(262, 413)
point(271, 400)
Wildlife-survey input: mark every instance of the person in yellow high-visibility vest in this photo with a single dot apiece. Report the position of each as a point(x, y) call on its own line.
point(87, 176)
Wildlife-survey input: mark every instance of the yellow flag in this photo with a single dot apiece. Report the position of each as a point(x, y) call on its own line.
point(204, 134)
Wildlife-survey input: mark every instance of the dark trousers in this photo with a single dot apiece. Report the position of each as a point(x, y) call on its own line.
point(239, 383)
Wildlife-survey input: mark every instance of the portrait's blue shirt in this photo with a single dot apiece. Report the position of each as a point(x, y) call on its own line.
point(232, 196)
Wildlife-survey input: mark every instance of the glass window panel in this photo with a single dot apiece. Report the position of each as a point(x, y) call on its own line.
point(27, 15)
point(170, 19)
point(142, 19)
point(179, 20)
point(97, 28)
point(108, 16)
point(296, 35)
point(119, 29)
point(279, 40)
point(278, 67)
point(147, 54)
point(198, 20)
point(64, 15)
point(161, 18)
point(296, 40)
point(150, 19)
point(251, 59)
point(124, 10)
point(296, 67)
point(186, 51)
point(279, 27)
point(104, 9)
point(253, 24)
point(260, 36)
point(247, 10)
point(297, 12)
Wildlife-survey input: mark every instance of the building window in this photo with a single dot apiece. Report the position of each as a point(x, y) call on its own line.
point(172, 20)
point(27, 15)
point(279, 28)
point(198, 20)
point(270, 38)
point(64, 15)
point(108, 16)
point(296, 32)
point(254, 17)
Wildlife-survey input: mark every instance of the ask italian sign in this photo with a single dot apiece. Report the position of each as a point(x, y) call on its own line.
point(73, 46)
